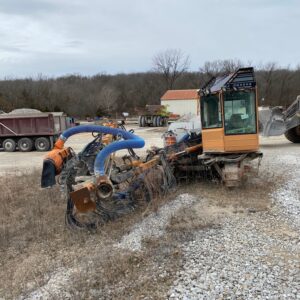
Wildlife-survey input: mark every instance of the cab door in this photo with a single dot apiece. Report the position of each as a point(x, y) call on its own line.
point(240, 121)
point(212, 123)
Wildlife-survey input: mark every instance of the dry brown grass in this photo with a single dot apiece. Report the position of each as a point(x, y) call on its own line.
point(32, 223)
point(122, 274)
point(34, 242)
point(190, 219)
point(26, 208)
point(253, 195)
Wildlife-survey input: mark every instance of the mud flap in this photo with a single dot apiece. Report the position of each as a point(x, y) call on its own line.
point(48, 174)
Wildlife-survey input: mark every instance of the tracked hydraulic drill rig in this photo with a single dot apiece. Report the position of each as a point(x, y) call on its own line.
point(99, 186)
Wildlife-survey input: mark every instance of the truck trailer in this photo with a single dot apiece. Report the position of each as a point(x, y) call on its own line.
point(153, 115)
point(27, 132)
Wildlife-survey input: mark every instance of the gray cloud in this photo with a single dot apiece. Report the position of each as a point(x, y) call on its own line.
point(26, 7)
point(65, 36)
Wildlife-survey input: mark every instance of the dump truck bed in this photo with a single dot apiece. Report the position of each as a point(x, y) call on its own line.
point(32, 124)
point(292, 114)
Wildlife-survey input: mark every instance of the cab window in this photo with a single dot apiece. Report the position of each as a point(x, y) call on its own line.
point(239, 111)
point(211, 112)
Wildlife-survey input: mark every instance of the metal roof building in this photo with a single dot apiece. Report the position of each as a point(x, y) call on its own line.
point(181, 102)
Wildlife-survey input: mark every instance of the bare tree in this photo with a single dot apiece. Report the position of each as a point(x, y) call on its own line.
point(218, 67)
point(172, 63)
point(108, 96)
point(285, 79)
point(266, 86)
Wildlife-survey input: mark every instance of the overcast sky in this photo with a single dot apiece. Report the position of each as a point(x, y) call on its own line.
point(56, 37)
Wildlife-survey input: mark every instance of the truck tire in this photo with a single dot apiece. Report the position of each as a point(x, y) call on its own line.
point(165, 122)
point(154, 121)
point(9, 145)
point(158, 121)
point(140, 121)
point(42, 144)
point(143, 121)
point(293, 134)
point(25, 144)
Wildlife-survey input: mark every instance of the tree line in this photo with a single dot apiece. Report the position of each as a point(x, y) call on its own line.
point(104, 94)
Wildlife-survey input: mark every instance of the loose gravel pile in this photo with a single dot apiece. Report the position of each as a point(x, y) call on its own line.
point(239, 261)
point(154, 225)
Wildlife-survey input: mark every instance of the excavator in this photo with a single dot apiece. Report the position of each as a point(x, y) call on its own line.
point(100, 186)
point(276, 121)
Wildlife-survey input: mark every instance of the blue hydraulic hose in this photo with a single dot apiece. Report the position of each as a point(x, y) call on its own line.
point(184, 138)
point(130, 141)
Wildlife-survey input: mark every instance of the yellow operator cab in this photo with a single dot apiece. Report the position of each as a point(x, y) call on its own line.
point(229, 113)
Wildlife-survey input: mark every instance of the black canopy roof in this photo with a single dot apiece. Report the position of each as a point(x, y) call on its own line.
point(241, 79)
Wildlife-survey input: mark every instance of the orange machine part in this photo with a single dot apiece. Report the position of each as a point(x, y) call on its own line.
point(215, 141)
point(59, 144)
point(170, 139)
point(241, 143)
point(82, 200)
point(107, 139)
point(58, 157)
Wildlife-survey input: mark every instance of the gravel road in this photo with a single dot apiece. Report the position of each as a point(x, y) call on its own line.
point(14, 162)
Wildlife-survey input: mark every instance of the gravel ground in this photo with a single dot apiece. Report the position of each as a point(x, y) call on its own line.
point(287, 197)
point(239, 261)
point(154, 225)
point(249, 256)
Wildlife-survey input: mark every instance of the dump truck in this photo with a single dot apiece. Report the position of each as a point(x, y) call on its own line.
point(153, 115)
point(277, 121)
point(27, 130)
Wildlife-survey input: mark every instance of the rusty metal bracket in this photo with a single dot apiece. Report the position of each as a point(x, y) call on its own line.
point(82, 200)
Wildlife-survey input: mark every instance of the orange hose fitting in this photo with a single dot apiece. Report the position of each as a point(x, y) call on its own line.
point(59, 144)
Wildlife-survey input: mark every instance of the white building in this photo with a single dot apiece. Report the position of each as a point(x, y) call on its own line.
point(181, 102)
